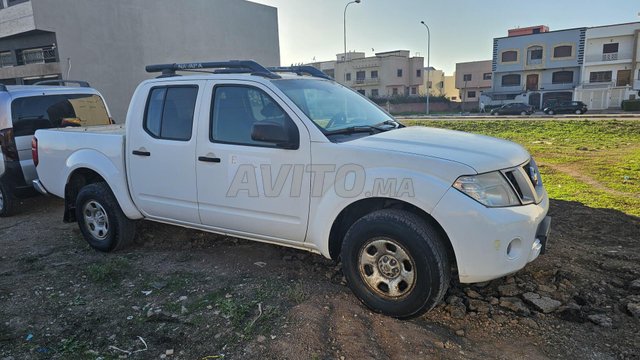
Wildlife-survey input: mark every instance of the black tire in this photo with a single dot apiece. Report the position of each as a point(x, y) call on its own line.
point(578, 112)
point(524, 113)
point(427, 259)
point(7, 201)
point(550, 112)
point(96, 200)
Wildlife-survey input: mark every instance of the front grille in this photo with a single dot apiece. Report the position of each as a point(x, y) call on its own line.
point(524, 182)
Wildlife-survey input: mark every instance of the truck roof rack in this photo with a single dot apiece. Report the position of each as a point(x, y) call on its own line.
point(301, 70)
point(63, 82)
point(233, 66)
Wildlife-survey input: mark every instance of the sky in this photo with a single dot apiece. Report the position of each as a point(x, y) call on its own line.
point(461, 30)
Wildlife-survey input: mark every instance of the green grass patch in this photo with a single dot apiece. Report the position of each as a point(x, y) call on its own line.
point(110, 270)
point(595, 162)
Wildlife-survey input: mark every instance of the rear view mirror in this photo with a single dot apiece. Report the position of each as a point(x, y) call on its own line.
point(274, 133)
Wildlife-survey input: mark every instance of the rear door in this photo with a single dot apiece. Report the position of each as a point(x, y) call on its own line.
point(32, 113)
point(161, 149)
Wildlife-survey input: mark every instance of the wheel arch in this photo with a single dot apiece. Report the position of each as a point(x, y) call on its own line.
point(354, 211)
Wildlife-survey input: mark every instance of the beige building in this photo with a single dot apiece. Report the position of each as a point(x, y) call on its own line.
point(436, 82)
point(472, 78)
point(387, 74)
point(450, 91)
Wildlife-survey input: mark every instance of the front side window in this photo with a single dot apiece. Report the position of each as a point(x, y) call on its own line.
point(169, 112)
point(52, 111)
point(330, 105)
point(237, 108)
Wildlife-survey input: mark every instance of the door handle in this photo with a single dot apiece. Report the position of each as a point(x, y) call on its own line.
point(141, 153)
point(208, 159)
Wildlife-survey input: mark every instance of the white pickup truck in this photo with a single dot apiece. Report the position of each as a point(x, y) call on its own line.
point(277, 156)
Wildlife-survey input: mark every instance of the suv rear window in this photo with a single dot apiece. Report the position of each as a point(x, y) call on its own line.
point(51, 111)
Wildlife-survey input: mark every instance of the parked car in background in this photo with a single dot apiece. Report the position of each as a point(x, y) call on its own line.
point(189, 143)
point(27, 108)
point(566, 107)
point(513, 109)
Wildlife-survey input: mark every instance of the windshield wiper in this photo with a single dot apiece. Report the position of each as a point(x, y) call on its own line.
point(371, 129)
point(395, 124)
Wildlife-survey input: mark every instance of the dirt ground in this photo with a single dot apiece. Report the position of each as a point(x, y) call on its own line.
point(182, 294)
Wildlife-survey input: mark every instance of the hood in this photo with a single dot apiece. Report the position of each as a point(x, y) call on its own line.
point(482, 153)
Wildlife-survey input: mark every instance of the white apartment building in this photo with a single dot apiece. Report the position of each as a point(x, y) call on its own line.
point(611, 69)
point(387, 74)
point(472, 78)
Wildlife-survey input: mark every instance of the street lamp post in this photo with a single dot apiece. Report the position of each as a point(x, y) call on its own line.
point(428, 62)
point(345, 26)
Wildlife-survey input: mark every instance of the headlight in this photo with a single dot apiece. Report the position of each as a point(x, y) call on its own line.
point(490, 189)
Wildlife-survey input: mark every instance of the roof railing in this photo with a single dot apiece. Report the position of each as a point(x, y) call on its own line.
point(301, 70)
point(233, 66)
point(63, 82)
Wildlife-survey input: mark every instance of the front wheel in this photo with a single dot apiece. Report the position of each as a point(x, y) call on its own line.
point(395, 263)
point(550, 112)
point(578, 112)
point(101, 221)
point(524, 113)
point(6, 201)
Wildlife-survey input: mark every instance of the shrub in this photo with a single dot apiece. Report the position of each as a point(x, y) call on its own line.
point(631, 105)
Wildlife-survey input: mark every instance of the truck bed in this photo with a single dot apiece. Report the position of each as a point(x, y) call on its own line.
point(66, 149)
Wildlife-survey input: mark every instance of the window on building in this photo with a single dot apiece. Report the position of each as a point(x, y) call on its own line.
point(466, 77)
point(610, 48)
point(600, 76)
point(6, 59)
point(360, 75)
point(623, 78)
point(418, 73)
point(374, 74)
point(414, 91)
point(399, 72)
point(454, 98)
point(394, 91)
point(348, 77)
point(471, 95)
point(169, 113)
point(511, 80)
point(362, 91)
point(510, 56)
point(563, 51)
point(429, 84)
point(486, 76)
point(562, 77)
point(374, 93)
point(232, 121)
point(534, 55)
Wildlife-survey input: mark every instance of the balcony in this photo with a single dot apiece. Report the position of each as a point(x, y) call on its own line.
point(37, 56)
point(608, 57)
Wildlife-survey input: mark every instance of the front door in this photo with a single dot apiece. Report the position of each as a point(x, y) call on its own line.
point(161, 158)
point(247, 187)
point(532, 82)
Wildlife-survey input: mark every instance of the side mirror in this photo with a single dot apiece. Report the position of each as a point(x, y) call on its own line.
point(274, 133)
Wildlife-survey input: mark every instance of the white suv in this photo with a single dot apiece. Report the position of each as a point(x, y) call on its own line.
point(25, 109)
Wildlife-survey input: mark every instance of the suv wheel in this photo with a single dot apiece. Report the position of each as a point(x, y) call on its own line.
point(6, 201)
point(395, 263)
point(102, 222)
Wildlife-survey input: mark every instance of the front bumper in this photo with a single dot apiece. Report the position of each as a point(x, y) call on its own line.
point(492, 242)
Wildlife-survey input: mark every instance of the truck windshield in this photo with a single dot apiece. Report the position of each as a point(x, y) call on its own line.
point(334, 108)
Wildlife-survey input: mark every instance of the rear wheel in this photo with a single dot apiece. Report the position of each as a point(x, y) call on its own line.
point(6, 201)
point(101, 221)
point(395, 263)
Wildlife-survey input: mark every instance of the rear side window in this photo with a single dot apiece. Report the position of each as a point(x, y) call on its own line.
point(169, 113)
point(51, 111)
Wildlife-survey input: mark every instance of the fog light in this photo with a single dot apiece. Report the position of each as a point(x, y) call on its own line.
point(514, 249)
